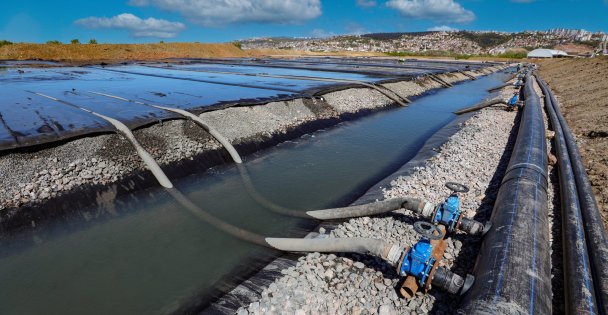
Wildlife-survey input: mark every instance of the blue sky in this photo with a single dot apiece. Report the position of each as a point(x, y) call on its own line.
point(119, 21)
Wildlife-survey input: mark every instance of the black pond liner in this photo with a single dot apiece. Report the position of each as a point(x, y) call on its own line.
point(27, 119)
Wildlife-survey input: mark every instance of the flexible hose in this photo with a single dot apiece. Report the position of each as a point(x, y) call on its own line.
point(351, 245)
point(121, 128)
point(380, 248)
point(196, 119)
point(480, 106)
point(385, 91)
point(374, 208)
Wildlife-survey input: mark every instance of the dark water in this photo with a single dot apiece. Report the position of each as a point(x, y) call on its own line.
point(155, 256)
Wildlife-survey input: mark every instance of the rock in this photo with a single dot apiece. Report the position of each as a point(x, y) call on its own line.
point(386, 310)
point(359, 265)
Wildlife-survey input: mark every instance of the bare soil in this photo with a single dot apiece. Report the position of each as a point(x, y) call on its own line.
point(87, 53)
point(100, 52)
point(581, 86)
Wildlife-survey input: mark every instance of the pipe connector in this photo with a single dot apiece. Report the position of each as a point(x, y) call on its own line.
point(393, 255)
point(473, 227)
point(451, 282)
point(427, 210)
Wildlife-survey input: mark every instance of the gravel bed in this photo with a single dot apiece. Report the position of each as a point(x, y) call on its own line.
point(359, 284)
point(34, 177)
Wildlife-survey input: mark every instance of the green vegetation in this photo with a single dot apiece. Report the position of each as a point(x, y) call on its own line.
point(5, 42)
point(161, 42)
point(449, 54)
point(75, 41)
point(92, 41)
point(513, 55)
point(237, 45)
point(589, 43)
point(429, 53)
point(54, 42)
point(486, 40)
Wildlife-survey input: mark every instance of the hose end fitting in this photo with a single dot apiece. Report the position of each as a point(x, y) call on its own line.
point(451, 282)
point(427, 210)
point(473, 227)
point(393, 255)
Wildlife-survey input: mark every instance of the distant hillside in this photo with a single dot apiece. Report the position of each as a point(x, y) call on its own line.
point(486, 40)
point(436, 42)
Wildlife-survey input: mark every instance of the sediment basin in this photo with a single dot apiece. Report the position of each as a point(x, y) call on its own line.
point(147, 255)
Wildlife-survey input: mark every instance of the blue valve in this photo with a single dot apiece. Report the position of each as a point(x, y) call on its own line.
point(418, 261)
point(448, 213)
point(513, 100)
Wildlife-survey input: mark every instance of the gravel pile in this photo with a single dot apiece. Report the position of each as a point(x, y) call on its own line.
point(359, 284)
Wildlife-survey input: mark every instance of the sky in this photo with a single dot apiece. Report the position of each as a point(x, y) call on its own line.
point(140, 21)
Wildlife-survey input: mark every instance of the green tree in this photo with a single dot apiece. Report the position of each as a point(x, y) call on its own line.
point(92, 41)
point(5, 42)
point(75, 41)
point(54, 42)
point(237, 44)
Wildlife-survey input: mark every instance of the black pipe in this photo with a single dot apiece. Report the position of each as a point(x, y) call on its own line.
point(481, 105)
point(578, 282)
point(513, 271)
point(595, 233)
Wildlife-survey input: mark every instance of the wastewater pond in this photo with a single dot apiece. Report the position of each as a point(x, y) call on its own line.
point(149, 255)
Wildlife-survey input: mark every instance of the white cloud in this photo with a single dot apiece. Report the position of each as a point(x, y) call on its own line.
point(221, 12)
point(366, 3)
point(442, 28)
point(149, 27)
point(436, 10)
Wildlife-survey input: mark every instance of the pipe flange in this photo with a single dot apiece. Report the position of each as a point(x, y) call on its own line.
point(429, 280)
point(407, 249)
point(428, 230)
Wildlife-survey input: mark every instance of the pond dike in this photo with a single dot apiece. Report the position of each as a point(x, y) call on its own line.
point(53, 181)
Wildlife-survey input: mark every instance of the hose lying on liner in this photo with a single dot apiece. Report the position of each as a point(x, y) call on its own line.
point(197, 120)
point(578, 184)
point(481, 105)
point(440, 81)
point(513, 270)
point(470, 76)
point(121, 128)
point(385, 91)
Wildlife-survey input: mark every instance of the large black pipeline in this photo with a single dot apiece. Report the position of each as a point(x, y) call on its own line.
point(595, 233)
point(578, 284)
point(513, 268)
